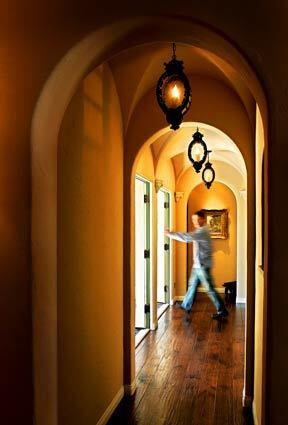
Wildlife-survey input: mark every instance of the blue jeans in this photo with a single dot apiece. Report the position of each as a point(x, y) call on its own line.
point(201, 275)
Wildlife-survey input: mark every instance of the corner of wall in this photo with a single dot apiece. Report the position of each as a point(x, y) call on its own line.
point(112, 406)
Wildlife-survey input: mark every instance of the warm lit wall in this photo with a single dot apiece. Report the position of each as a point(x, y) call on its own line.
point(90, 273)
point(165, 172)
point(145, 167)
point(217, 197)
point(259, 277)
point(145, 164)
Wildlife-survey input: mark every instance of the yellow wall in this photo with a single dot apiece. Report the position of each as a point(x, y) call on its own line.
point(145, 164)
point(217, 197)
point(90, 288)
point(165, 172)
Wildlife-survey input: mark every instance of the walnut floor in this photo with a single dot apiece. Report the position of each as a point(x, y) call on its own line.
point(189, 373)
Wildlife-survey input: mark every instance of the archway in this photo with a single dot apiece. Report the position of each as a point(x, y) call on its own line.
point(46, 123)
point(230, 170)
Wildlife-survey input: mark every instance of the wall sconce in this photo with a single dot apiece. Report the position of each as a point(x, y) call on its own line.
point(197, 151)
point(178, 196)
point(208, 174)
point(158, 185)
point(173, 91)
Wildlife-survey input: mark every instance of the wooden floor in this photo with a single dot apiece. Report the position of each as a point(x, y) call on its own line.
point(189, 373)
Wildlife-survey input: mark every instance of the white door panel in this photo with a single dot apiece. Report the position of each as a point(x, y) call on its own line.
point(160, 248)
point(163, 255)
point(140, 244)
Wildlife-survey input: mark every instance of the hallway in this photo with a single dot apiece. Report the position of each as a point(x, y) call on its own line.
point(189, 373)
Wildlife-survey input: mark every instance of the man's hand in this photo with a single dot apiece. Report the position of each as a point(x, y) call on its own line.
point(166, 231)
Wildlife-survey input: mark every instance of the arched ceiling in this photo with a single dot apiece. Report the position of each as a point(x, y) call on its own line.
point(136, 71)
point(174, 145)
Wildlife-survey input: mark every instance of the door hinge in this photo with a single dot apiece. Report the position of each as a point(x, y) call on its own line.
point(166, 247)
point(166, 205)
point(146, 253)
point(166, 288)
point(147, 308)
point(146, 199)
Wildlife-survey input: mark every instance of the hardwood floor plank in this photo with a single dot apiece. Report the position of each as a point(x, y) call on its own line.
point(189, 373)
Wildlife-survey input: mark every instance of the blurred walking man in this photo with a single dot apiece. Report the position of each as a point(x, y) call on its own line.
point(202, 262)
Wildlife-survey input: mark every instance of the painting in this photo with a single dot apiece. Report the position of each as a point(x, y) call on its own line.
point(217, 222)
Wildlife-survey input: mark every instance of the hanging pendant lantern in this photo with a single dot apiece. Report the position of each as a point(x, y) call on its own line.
point(208, 174)
point(197, 151)
point(173, 91)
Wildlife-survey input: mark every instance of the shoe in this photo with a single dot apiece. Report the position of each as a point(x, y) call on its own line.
point(185, 309)
point(187, 318)
point(220, 314)
point(179, 305)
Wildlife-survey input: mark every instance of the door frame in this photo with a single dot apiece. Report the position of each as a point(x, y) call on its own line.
point(149, 246)
point(169, 298)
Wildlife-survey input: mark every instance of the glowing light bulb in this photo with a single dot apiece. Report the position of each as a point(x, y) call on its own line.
point(208, 175)
point(197, 153)
point(175, 92)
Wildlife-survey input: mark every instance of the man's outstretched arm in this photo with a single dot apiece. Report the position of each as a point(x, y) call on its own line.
point(180, 236)
point(196, 235)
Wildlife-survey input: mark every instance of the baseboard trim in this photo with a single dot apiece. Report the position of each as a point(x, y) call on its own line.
point(140, 336)
point(161, 311)
point(154, 326)
point(178, 298)
point(112, 406)
point(129, 389)
point(240, 300)
point(200, 290)
point(219, 290)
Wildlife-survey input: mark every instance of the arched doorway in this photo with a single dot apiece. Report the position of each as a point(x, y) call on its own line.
point(45, 128)
point(173, 170)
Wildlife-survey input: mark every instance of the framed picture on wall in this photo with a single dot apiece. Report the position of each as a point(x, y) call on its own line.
point(217, 222)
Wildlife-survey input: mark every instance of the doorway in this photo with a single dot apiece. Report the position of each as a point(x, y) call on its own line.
point(163, 252)
point(44, 157)
point(142, 257)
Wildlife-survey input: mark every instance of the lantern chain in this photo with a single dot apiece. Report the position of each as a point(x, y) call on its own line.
point(174, 51)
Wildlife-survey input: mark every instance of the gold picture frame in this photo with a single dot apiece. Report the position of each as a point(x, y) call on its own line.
point(217, 222)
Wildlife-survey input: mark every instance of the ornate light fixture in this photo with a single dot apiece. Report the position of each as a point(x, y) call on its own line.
point(197, 151)
point(173, 91)
point(208, 174)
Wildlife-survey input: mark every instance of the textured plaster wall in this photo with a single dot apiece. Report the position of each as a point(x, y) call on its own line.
point(90, 279)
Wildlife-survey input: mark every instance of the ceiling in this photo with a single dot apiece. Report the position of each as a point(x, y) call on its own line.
point(136, 72)
point(174, 145)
